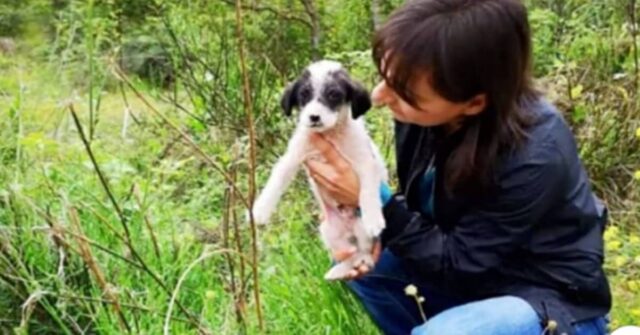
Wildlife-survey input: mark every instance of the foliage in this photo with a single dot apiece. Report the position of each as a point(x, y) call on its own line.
point(59, 230)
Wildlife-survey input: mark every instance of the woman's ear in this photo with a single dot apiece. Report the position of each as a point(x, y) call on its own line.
point(476, 105)
point(360, 100)
point(289, 98)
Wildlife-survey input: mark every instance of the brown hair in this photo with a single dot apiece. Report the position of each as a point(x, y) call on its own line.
point(466, 48)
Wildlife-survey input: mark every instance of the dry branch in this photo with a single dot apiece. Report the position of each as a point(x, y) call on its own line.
point(246, 90)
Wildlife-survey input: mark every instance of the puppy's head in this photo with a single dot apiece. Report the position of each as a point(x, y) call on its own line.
point(325, 95)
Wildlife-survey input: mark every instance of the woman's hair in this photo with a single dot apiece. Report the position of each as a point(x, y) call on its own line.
point(465, 48)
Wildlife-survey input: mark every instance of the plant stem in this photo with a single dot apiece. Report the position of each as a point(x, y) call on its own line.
point(246, 89)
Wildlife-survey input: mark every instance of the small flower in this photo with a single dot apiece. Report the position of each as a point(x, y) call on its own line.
point(638, 132)
point(619, 261)
point(614, 245)
point(411, 290)
point(611, 233)
point(210, 294)
point(636, 175)
point(634, 285)
point(208, 76)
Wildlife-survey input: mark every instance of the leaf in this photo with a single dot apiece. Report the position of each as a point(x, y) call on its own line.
point(576, 91)
point(579, 113)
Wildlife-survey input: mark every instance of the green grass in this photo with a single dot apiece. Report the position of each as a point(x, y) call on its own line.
point(46, 175)
point(46, 169)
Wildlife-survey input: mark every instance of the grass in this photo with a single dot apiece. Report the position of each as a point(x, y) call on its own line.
point(47, 175)
point(57, 276)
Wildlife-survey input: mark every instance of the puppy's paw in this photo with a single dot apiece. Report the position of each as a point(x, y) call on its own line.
point(339, 271)
point(373, 223)
point(261, 214)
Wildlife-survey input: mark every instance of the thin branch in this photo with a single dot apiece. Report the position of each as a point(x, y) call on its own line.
point(634, 35)
point(130, 306)
point(263, 8)
point(246, 90)
point(311, 11)
point(183, 135)
point(240, 303)
point(176, 290)
point(56, 227)
point(103, 180)
point(154, 240)
point(94, 268)
point(127, 241)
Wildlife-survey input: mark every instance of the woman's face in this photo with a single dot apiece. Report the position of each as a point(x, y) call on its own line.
point(431, 108)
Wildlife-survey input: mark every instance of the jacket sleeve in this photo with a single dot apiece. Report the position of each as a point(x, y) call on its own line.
point(486, 233)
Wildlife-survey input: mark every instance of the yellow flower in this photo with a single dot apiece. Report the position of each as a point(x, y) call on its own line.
point(635, 312)
point(638, 132)
point(636, 175)
point(210, 294)
point(614, 245)
point(411, 290)
point(619, 261)
point(611, 233)
point(634, 285)
point(635, 240)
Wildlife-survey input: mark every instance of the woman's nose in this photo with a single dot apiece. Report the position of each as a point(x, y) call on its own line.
point(381, 94)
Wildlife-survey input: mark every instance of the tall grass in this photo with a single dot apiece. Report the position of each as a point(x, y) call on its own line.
point(144, 230)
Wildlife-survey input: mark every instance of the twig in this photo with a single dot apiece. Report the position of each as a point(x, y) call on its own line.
point(87, 256)
point(154, 240)
point(126, 102)
point(103, 180)
point(127, 241)
point(174, 295)
point(225, 244)
point(280, 14)
point(240, 302)
point(315, 26)
point(130, 306)
point(56, 227)
point(246, 90)
point(634, 35)
point(183, 135)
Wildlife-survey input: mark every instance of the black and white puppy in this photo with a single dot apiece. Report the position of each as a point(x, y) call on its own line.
point(331, 103)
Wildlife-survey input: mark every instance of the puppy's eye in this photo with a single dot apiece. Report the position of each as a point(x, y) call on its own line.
point(334, 95)
point(305, 94)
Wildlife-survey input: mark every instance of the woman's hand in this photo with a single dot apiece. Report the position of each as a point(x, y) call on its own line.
point(362, 269)
point(334, 175)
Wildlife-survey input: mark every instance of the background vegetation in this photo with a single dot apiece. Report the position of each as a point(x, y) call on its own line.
point(127, 215)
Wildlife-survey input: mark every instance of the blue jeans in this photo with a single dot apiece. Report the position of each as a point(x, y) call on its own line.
point(395, 313)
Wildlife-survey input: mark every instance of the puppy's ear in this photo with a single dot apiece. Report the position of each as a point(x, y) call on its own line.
point(290, 98)
point(360, 100)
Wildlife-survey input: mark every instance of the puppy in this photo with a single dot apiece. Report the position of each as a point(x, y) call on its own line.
point(331, 103)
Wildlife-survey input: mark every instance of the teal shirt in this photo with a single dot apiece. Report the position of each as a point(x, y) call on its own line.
point(426, 191)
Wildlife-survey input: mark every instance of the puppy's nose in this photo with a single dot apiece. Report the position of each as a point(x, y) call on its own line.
point(314, 118)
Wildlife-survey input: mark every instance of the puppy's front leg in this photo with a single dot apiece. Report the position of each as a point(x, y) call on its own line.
point(281, 176)
point(370, 203)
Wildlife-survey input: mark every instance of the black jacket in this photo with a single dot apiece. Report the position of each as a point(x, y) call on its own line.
point(537, 236)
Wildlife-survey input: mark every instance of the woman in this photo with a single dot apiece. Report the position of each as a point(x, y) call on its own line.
point(494, 222)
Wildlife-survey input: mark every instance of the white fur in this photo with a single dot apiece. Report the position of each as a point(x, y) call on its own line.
point(340, 226)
